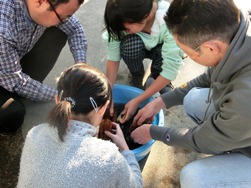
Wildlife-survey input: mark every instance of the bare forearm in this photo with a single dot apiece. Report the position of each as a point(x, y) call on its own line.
point(155, 87)
point(112, 68)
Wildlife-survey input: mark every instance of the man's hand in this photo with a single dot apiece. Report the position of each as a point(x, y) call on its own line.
point(149, 111)
point(142, 135)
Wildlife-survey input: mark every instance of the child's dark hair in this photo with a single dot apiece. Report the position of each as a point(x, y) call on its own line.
point(118, 12)
point(77, 86)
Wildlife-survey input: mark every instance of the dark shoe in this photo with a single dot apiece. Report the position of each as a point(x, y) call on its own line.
point(167, 88)
point(8, 133)
point(149, 82)
point(136, 81)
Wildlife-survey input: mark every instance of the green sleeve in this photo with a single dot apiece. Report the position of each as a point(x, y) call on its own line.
point(112, 48)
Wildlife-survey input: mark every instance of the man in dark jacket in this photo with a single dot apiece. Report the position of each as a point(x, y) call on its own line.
point(215, 34)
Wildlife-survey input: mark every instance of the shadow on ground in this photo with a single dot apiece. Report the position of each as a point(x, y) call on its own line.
point(10, 152)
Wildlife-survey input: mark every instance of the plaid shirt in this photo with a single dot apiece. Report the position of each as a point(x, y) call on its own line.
point(18, 35)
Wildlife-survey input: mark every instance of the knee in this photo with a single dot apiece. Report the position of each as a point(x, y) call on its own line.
point(190, 176)
point(190, 100)
point(56, 35)
point(11, 116)
point(131, 43)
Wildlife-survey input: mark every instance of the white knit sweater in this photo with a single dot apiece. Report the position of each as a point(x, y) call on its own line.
point(80, 161)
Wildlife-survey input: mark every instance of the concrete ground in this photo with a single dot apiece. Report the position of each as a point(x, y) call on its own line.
point(161, 168)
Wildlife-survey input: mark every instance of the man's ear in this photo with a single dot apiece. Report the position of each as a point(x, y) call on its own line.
point(101, 110)
point(214, 46)
point(57, 99)
point(38, 3)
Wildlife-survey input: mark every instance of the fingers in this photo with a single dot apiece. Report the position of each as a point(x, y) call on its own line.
point(139, 119)
point(108, 133)
point(142, 135)
point(135, 119)
point(113, 131)
point(137, 137)
point(151, 118)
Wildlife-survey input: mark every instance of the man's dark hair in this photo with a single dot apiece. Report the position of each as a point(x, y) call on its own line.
point(198, 21)
point(117, 12)
point(58, 2)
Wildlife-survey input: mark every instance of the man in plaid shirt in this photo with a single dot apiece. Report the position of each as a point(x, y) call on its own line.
point(32, 35)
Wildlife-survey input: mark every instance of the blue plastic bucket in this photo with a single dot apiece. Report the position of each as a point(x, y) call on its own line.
point(123, 94)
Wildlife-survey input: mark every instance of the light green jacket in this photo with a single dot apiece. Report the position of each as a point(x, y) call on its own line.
point(159, 35)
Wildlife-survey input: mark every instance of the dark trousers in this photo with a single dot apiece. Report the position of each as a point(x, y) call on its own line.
point(133, 52)
point(37, 64)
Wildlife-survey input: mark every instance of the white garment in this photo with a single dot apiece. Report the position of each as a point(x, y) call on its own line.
point(80, 161)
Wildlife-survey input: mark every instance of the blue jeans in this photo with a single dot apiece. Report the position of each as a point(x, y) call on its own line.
point(226, 170)
point(196, 104)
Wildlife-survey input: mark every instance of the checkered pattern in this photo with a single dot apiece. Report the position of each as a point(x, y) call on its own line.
point(133, 52)
point(18, 35)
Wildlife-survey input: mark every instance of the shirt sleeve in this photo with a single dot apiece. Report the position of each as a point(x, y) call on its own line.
point(76, 38)
point(130, 174)
point(170, 54)
point(176, 96)
point(112, 48)
point(14, 80)
point(226, 129)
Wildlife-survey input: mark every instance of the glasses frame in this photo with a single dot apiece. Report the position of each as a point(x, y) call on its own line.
point(62, 20)
point(184, 55)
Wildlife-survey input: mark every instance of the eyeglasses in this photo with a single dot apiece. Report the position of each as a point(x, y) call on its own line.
point(184, 55)
point(62, 20)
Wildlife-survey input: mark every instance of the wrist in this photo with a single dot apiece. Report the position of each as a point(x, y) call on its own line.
point(124, 148)
point(158, 103)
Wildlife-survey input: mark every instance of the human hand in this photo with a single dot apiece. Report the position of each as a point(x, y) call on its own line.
point(129, 110)
point(118, 138)
point(149, 111)
point(141, 135)
point(146, 113)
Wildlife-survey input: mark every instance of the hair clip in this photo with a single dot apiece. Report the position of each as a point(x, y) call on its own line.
point(72, 101)
point(94, 104)
point(61, 94)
